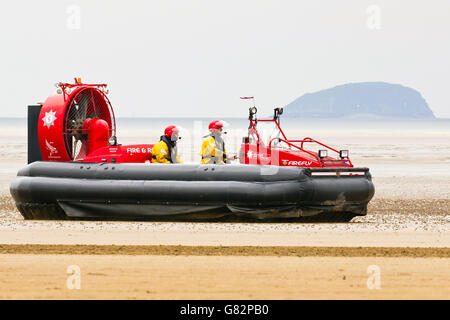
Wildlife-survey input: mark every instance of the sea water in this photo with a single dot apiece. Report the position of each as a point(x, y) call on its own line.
point(364, 138)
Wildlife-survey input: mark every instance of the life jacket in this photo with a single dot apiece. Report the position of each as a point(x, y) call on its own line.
point(219, 145)
point(172, 154)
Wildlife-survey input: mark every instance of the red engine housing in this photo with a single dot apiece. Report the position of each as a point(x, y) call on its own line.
point(76, 123)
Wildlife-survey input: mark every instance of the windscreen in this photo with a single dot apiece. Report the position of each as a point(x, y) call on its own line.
point(267, 131)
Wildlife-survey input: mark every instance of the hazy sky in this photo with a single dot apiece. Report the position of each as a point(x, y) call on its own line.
point(195, 58)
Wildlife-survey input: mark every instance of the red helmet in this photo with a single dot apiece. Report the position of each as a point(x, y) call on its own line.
point(170, 130)
point(215, 125)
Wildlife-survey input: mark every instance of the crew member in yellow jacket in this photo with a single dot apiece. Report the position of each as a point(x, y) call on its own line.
point(213, 147)
point(166, 151)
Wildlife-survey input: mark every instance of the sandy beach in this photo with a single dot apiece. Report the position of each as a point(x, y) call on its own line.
point(221, 277)
point(405, 234)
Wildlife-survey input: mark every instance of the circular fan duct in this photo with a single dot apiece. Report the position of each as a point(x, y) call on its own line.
point(87, 104)
point(64, 129)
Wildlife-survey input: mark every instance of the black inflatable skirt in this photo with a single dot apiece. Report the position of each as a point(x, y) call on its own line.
point(187, 192)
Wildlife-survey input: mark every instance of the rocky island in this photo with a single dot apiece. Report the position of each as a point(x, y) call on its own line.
point(364, 99)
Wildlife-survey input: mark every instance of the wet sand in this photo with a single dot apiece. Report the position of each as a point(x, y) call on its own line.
point(243, 251)
point(409, 241)
point(406, 233)
point(390, 223)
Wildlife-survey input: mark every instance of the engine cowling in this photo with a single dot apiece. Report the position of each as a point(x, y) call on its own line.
point(74, 122)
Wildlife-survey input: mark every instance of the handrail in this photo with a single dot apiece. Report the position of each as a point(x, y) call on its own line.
point(73, 85)
point(308, 139)
point(293, 145)
point(315, 141)
point(362, 169)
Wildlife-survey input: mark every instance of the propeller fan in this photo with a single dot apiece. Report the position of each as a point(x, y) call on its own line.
point(89, 103)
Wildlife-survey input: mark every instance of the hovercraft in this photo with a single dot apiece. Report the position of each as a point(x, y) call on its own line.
point(77, 170)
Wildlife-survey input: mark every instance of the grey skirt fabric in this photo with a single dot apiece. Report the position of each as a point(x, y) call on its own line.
point(187, 192)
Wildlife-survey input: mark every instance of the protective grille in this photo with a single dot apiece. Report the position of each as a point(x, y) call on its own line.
point(89, 103)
